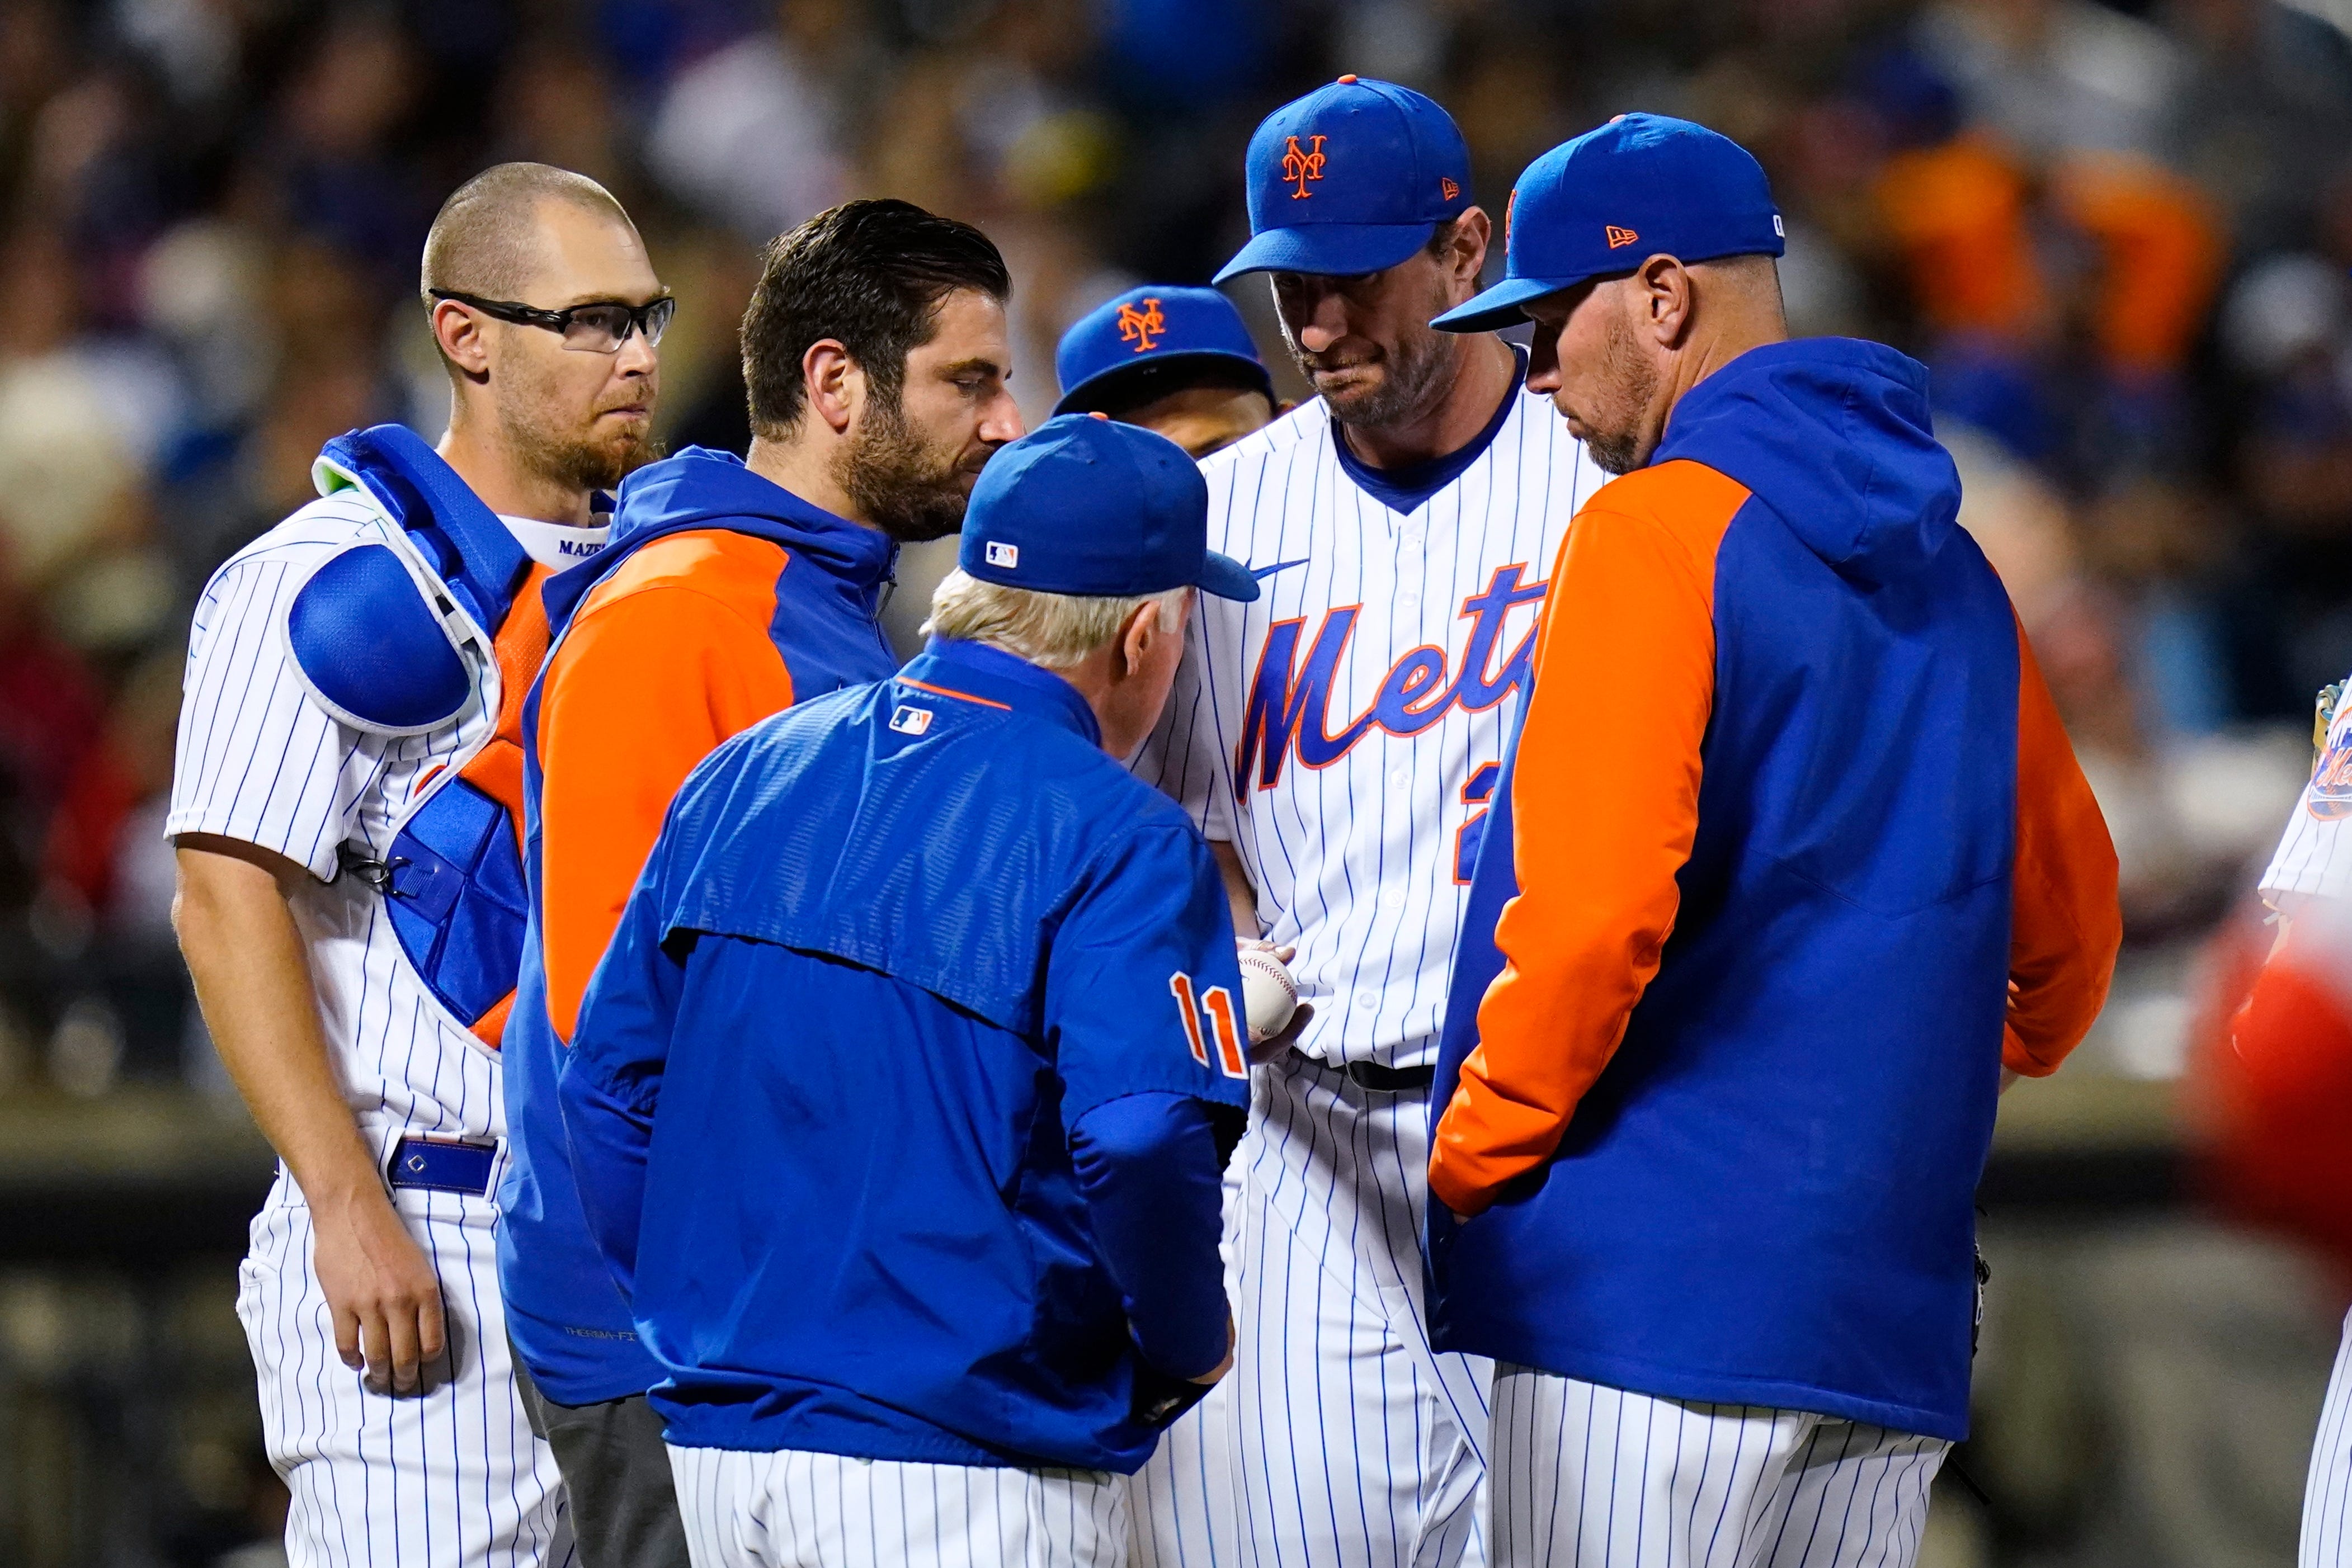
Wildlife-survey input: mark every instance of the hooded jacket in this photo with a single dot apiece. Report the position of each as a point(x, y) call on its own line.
point(1793, 856)
point(721, 598)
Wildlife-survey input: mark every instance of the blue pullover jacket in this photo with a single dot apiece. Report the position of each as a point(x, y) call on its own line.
point(722, 598)
point(1791, 854)
point(888, 1102)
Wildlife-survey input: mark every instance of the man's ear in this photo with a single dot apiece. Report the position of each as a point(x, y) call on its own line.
point(1467, 257)
point(1666, 288)
point(1136, 637)
point(835, 384)
point(462, 339)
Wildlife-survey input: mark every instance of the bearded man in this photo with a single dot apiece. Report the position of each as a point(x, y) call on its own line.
point(876, 358)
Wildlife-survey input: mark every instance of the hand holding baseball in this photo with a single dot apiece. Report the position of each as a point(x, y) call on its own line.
point(1270, 998)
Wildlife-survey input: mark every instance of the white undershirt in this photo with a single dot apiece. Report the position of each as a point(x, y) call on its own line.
point(555, 545)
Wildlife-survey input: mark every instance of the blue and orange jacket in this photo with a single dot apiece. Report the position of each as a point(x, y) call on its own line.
point(722, 598)
point(1795, 856)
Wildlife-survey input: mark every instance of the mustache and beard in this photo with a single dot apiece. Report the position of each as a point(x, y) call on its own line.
point(594, 454)
point(1415, 371)
point(913, 488)
point(1616, 431)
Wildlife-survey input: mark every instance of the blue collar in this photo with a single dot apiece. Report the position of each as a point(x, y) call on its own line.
point(699, 488)
point(975, 673)
point(1408, 489)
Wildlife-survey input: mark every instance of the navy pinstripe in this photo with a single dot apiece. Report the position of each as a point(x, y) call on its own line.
point(795, 1509)
point(1592, 1475)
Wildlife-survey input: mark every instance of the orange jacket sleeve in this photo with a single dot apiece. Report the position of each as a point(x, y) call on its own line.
point(1605, 797)
point(2065, 925)
point(642, 688)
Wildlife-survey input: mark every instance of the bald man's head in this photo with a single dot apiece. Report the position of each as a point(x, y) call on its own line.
point(488, 240)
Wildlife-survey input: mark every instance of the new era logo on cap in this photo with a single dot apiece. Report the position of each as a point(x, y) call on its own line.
point(907, 720)
point(1619, 238)
point(1005, 556)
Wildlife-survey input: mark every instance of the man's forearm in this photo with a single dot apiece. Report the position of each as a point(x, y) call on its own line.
point(253, 983)
point(1239, 894)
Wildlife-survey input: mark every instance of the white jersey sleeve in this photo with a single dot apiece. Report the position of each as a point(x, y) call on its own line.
point(258, 761)
point(2314, 856)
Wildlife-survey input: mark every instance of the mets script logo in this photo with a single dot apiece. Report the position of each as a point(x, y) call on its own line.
point(1301, 164)
point(2330, 797)
point(1140, 327)
point(1289, 706)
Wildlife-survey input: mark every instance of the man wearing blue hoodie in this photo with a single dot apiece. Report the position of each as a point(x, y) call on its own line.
point(1795, 871)
point(875, 355)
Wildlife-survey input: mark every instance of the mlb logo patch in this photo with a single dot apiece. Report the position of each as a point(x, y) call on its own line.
point(1005, 556)
point(910, 720)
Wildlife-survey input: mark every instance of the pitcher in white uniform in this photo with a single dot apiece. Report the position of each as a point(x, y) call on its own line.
point(349, 876)
point(1339, 740)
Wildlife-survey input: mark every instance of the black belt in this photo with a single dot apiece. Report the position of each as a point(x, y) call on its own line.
point(1371, 1076)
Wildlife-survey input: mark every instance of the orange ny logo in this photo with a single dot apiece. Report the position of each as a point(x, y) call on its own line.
point(1140, 327)
point(1301, 164)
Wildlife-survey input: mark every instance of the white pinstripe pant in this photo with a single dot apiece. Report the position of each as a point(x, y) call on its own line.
point(793, 1508)
point(1603, 1479)
point(2327, 1494)
point(1355, 1443)
point(450, 1479)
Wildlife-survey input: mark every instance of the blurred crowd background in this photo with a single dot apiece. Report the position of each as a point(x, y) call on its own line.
point(2118, 234)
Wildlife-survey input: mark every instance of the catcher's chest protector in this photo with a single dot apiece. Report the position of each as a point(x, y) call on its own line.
point(398, 642)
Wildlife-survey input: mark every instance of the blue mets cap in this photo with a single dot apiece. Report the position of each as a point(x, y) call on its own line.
point(1639, 186)
point(1352, 178)
point(1156, 334)
point(1085, 504)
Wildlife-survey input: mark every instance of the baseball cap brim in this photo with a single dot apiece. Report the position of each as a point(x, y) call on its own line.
point(1227, 577)
point(1502, 305)
point(1080, 399)
point(1330, 250)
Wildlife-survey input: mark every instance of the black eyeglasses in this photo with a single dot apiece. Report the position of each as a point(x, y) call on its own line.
point(598, 328)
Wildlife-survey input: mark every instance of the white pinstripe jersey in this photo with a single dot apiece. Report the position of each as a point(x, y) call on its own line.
point(1345, 731)
point(2314, 856)
point(259, 761)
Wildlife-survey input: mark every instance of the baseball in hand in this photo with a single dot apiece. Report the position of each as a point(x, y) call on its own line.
point(1269, 994)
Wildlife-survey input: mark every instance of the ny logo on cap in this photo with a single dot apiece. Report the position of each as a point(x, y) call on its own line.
point(1619, 238)
point(1005, 556)
point(1301, 164)
point(1138, 327)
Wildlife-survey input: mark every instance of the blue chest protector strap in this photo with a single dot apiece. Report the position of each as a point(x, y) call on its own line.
point(374, 643)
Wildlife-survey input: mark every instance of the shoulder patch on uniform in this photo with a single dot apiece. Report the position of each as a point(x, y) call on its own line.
point(371, 650)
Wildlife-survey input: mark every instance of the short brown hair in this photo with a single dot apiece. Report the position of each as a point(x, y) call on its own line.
point(869, 274)
point(481, 240)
